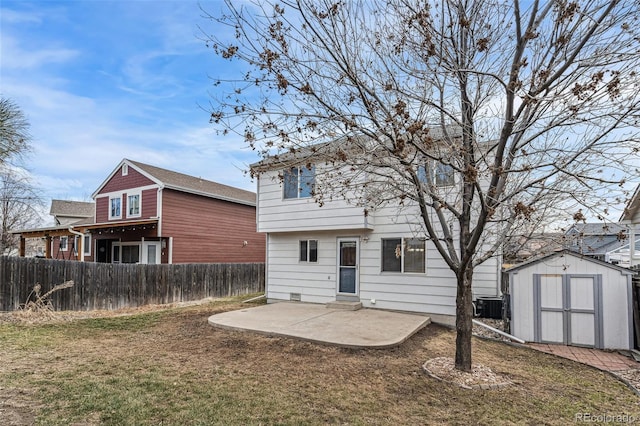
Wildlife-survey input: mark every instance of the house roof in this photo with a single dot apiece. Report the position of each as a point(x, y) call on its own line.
point(185, 183)
point(547, 256)
point(632, 207)
point(348, 143)
point(72, 208)
point(597, 228)
point(626, 246)
point(598, 238)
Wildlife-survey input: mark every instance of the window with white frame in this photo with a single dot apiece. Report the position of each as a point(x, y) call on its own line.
point(86, 245)
point(126, 253)
point(439, 174)
point(407, 255)
point(308, 251)
point(115, 207)
point(298, 182)
point(64, 243)
point(133, 205)
point(125, 169)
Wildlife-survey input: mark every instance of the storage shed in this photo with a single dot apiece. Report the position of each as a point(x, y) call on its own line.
point(571, 299)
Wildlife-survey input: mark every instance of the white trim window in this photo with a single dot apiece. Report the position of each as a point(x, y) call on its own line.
point(86, 245)
point(440, 174)
point(134, 204)
point(405, 255)
point(64, 244)
point(308, 251)
point(299, 182)
point(115, 207)
point(125, 169)
point(126, 253)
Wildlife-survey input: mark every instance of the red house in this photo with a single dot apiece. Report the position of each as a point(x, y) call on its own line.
point(146, 214)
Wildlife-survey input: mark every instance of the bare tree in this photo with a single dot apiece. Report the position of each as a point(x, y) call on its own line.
point(19, 207)
point(532, 109)
point(14, 131)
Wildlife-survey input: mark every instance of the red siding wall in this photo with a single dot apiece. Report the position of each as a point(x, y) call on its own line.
point(206, 230)
point(149, 206)
point(68, 254)
point(132, 180)
point(149, 203)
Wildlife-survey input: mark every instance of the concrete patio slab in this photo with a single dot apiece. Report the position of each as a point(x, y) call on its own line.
point(370, 328)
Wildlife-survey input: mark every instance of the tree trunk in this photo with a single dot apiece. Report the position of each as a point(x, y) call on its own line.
point(464, 317)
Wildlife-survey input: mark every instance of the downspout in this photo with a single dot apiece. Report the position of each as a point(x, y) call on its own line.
point(81, 239)
point(500, 332)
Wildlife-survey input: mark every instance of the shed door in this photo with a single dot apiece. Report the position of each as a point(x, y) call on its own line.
point(567, 309)
point(551, 310)
point(582, 310)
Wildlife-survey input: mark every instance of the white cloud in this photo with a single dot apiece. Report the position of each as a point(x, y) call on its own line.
point(10, 16)
point(19, 57)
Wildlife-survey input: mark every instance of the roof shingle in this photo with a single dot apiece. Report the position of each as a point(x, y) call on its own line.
point(182, 182)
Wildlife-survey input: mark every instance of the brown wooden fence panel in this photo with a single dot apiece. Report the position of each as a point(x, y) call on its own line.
point(114, 286)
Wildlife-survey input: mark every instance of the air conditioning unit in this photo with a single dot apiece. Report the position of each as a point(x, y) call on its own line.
point(489, 307)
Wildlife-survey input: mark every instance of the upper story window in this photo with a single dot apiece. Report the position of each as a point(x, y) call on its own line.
point(115, 207)
point(441, 174)
point(403, 255)
point(125, 169)
point(309, 251)
point(299, 182)
point(133, 205)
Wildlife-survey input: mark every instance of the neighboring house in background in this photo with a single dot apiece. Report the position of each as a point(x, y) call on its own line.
point(525, 247)
point(631, 217)
point(338, 251)
point(622, 255)
point(67, 212)
point(58, 241)
point(597, 240)
point(146, 214)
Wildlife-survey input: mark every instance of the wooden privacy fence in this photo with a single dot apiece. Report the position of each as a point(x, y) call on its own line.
point(114, 286)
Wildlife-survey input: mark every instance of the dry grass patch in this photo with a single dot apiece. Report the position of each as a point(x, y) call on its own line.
point(171, 366)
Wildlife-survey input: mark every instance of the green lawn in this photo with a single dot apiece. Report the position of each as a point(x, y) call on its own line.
point(170, 367)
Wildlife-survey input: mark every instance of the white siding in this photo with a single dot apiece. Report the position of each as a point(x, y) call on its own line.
point(276, 214)
point(289, 221)
point(433, 292)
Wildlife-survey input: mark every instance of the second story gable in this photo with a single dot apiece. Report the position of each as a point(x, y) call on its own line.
point(128, 193)
point(134, 192)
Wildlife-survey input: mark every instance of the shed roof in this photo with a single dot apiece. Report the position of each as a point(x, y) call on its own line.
point(558, 253)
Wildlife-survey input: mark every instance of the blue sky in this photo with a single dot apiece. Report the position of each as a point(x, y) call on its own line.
point(103, 80)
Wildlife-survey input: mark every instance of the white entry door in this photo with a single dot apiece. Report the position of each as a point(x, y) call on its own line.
point(151, 252)
point(348, 266)
point(566, 309)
